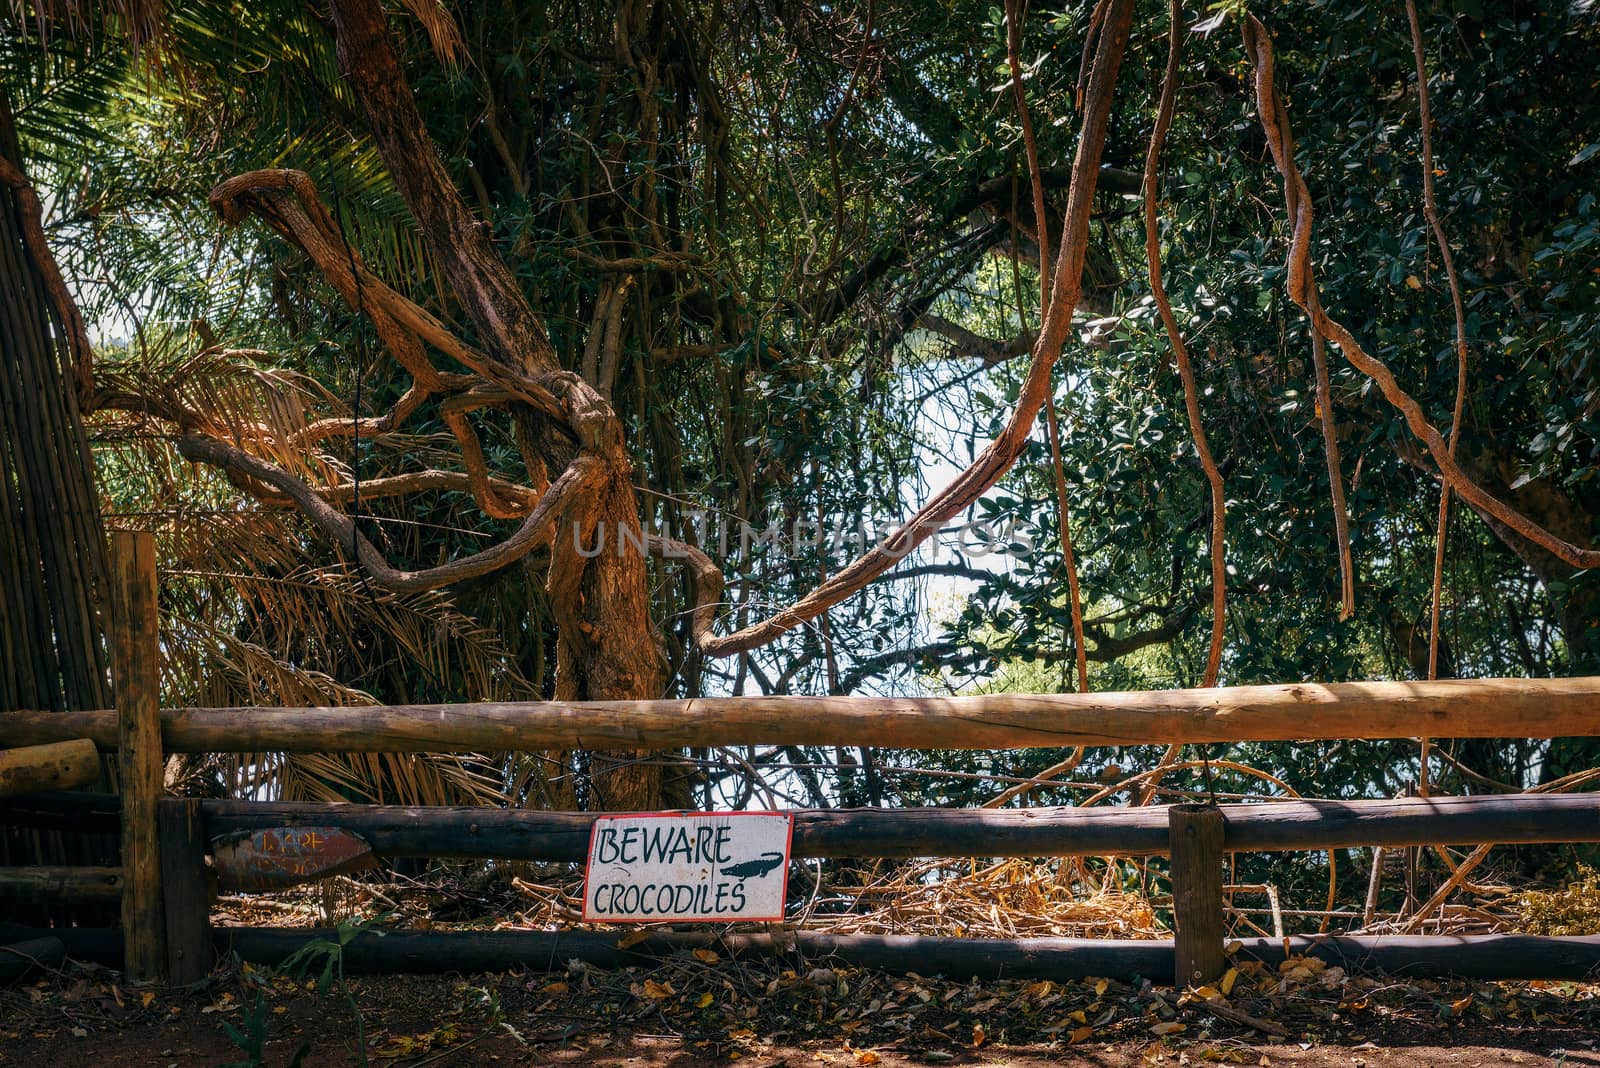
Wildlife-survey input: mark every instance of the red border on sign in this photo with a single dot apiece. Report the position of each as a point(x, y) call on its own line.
point(788, 857)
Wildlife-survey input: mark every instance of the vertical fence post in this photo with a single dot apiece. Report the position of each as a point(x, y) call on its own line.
point(1196, 849)
point(185, 891)
point(136, 674)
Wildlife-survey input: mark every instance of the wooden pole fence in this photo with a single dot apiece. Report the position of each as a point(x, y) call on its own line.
point(520, 834)
point(185, 891)
point(1451, 708)
point(517, 834)
point(1194, 835)
point(1484, 957)
point(136, 678)
point(40, 883)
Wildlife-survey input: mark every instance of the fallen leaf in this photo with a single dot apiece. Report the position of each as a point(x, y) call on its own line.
point(1171, 1027)
point(656, 991)
point(1228, 979)
point(706, 956)
point(1082, 1034)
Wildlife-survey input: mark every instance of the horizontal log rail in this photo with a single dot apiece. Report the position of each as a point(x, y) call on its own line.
point(38, 883)
point(516, 834)
point(1484, 957)
point(519, 834)
point(19, 960)
point(57, 766)
point(1456, 708)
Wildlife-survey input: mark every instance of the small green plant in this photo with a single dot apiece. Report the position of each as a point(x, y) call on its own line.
point(328, 954)
point(251, 1037)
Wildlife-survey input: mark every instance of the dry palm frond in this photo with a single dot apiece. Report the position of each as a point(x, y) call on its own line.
point(141, 22)
point(249, 619)
point(224, 393)
point(378, 778)
point(442, 32)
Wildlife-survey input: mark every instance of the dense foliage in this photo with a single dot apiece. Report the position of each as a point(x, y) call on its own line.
point(807, 230)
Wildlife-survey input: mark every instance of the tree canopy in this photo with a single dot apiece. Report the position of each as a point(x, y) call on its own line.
point(483, 350)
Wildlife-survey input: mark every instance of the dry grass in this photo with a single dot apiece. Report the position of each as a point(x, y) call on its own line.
point(1009, 899)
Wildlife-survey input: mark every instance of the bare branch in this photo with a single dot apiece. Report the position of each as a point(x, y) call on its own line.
point(287, 201)
point(338, 528)
point(464, 248)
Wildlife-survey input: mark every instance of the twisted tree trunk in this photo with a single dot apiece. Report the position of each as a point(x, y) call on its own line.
point(606, 641)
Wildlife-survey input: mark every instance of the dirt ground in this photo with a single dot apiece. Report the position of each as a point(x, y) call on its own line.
point(704, 1010)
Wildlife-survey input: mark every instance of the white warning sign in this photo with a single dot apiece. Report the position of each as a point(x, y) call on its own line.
point(717, 866)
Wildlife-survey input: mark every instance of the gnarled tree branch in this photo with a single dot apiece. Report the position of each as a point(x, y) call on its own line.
point(341, 530)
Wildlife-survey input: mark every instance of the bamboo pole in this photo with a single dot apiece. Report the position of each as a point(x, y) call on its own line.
point(136, 672)
point(1451, 708)
point(57, 766)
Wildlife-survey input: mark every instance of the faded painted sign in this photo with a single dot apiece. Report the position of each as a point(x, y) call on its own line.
point(717, 866)
point(276, 857)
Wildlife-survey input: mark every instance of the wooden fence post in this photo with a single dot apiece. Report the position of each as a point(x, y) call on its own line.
point(1196, 849)
point(185, 891)
point(136, 674)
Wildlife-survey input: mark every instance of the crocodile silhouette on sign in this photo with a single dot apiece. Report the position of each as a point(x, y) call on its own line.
point(753, 869)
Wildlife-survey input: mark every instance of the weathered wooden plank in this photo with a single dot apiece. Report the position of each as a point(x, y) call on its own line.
point(185, 890)
point(1451, 708)
point(1195, 834)
point(56, 766)
point(136, 674)
point(41, 883)
point(399, 831)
